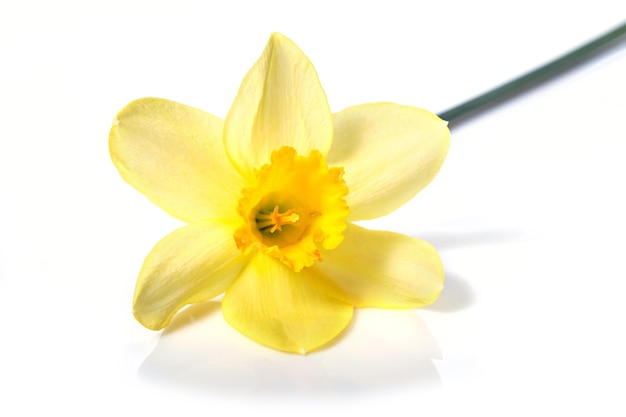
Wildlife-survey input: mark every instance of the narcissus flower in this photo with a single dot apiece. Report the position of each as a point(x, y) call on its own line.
point(270, 194)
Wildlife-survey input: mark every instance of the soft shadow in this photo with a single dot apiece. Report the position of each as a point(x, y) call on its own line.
point(457, 295)
point(447, 241)
point(381, 350)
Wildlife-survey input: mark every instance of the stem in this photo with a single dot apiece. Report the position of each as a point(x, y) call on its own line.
point(535, 77)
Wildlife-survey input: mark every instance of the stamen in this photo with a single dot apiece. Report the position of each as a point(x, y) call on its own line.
point(276, 220)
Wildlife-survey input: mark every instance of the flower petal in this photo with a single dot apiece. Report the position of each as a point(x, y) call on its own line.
point(175, 156)
point(192, 264)
point(283, 309)
point(389, 153)
point(280, 103)
point(383, 269)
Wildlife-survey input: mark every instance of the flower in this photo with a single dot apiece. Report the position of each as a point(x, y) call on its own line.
point(270, 195)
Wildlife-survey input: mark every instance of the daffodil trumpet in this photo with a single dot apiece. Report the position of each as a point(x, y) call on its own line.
point(270, 196)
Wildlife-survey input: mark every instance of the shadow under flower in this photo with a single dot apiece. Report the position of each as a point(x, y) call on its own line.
point(457, 295)
point(448, 241)
point(382, 349)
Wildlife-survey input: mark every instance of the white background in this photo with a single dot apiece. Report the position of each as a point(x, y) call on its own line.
point(527, 212)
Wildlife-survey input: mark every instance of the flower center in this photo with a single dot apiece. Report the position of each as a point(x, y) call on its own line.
point(295, 204)
point(275, 219)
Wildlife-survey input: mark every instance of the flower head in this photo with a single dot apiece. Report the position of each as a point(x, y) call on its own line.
point(270, 194)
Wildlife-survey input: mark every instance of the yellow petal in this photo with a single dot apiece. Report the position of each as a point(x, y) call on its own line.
point(175, 156)
point(280, 103)
point(283, 309)
point(384, 269)
point(389, 153)
point(192, 264)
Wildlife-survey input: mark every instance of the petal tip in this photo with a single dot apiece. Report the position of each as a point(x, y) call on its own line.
point(279, 37)
point(150, 323)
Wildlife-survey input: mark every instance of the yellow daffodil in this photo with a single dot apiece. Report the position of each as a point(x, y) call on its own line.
point(270, 194)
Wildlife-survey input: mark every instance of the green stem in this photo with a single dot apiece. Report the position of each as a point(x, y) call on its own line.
point(533, 78)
